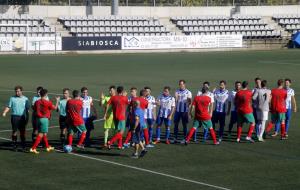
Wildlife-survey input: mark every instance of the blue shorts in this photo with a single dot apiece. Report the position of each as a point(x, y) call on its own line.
point(161, 120)
point(233, 118)
point(88, 122)
point(150, 122)
point(136, 136)
point(219, 117)
point(184, 116)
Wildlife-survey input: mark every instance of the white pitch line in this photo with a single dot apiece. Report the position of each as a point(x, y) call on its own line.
point(143, 170)
point(28, 129)
point(279, 63)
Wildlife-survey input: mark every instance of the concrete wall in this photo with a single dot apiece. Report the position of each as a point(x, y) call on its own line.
point(55, 11)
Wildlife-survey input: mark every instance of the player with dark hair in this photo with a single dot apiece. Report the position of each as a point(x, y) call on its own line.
point(42, 108)
point(243, 99)
point(119, 104)
point(19, 106)
point(63, 125)
point(75, 120)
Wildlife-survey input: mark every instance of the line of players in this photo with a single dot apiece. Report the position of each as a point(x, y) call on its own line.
point(207, 109)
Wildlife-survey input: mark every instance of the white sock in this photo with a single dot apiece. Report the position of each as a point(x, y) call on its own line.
point(262, 130)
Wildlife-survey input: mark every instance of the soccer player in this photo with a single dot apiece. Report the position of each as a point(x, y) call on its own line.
point(221, 101)
point(138, 123)
point(19, 106)
point(257, 81)
point(150, 112)
point(202, 108)
point(278, 108)
point(262, 96)
point(88, 112)
point(34, 121)
point(183, 99)
point(231, 107)
point(108, 123)
point(75, 121)
point(211, 95)
point(42, 108)
point(63, 125)
point(244, 111)
point(166, 105)
point(143, 104)
point(131, 98)
point(290, 105)
point(119, 104)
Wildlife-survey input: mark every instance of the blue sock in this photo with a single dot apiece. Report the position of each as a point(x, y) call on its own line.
point(176, 130)
point(221, 131)
point(277, 127)
point(167, 133)
point(157, 132)
point(184, 131)
point(150, 129)
point(205, 135)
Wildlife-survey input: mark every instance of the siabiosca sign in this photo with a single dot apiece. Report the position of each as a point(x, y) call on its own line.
point(91, 43)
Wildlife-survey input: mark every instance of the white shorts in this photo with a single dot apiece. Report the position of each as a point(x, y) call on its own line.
point(262, 115)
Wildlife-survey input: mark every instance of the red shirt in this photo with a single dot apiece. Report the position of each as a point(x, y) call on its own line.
point(73, 108)
point(278, 103)
point(201, 104)
point(43, 108)
point(243, 100)
point(119, 104)
point(143, 102)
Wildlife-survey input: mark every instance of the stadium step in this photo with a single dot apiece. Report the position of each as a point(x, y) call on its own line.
point(272, 23)
point(53, 23)
point(170, 26)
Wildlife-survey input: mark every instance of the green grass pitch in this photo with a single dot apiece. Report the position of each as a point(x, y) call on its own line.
point(274, 164)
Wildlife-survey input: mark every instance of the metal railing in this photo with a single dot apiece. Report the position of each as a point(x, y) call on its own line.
point(152, 2)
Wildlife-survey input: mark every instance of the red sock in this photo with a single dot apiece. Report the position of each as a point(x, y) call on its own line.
point(146, 136)
point(128, 137)
point(282, 130)
point(191, 133)
point(250, 131)
point(239, 132)
point(269, 127)
point(46, 141)
point(36, 142)
point(82, 137)
point(120, 141)
point(213, 135)
point(114, 138)
point(70, 140)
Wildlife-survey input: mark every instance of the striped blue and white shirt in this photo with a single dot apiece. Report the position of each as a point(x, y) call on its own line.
point(290, 93)
point(221, 98)
point(151, 106)
point(86, 107)
point(166, 103)
point(182, 104)
point(231, 99)
point(209, 94)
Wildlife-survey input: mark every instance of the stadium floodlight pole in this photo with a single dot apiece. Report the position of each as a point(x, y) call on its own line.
point(55, 39)
point(114, 7)
point(27, 28)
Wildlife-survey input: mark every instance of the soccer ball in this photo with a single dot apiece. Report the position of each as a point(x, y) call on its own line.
point(67, 148)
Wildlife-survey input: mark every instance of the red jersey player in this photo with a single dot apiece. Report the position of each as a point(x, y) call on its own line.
point(203, 111)
point(243, 105)
point(75, 120)
point(278, 107)
point(42, 108)
point(119, 104)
